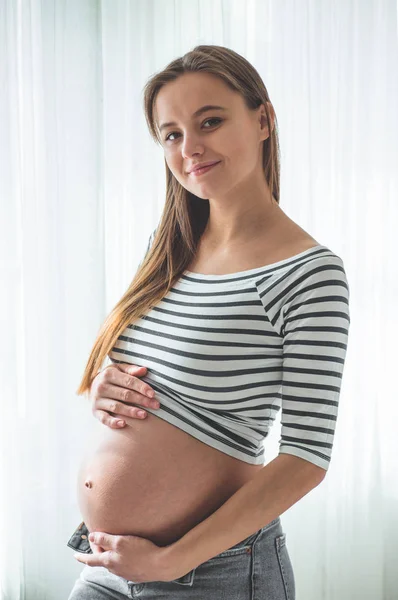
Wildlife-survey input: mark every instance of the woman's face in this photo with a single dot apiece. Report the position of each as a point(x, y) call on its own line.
point(232, 135)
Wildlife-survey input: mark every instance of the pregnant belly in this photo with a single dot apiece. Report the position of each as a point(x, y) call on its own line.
point(154, 480)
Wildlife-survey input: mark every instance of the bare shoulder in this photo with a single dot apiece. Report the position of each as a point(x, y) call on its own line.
point(302, 244)
point(281, 240)
point(288, 238)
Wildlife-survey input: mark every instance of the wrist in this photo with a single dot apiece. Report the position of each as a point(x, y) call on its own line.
point(173, 565)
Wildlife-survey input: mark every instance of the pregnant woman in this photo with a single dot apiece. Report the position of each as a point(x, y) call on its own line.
point(234, 313)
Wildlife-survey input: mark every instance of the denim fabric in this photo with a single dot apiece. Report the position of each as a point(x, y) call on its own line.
point(257, 568)
point(79, 539)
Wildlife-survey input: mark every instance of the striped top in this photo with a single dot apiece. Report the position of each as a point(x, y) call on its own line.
point(225, 353)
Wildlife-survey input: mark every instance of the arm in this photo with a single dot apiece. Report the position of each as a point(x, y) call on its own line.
point(274, 489)
point(308, 307)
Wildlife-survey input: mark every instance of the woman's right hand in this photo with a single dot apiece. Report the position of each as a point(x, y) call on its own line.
point(115, 389)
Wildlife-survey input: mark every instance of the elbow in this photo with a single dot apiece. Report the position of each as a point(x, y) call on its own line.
point(319, 475)
point(308, 471)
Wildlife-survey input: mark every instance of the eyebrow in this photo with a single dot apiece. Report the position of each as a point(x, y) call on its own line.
point(197, 113)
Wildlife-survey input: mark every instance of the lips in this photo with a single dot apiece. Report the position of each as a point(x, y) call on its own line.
point(203, 168)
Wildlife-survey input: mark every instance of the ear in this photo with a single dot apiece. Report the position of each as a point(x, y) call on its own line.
point(264, 120)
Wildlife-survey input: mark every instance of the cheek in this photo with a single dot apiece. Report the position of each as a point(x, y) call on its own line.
point(174, 163)
point(243, 155)
point(176, 168)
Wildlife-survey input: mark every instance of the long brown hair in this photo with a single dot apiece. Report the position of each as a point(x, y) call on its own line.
point(184, 216)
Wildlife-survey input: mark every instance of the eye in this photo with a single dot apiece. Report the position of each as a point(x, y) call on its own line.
point(207, 120)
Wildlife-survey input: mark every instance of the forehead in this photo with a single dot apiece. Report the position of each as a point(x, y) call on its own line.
point(179, 99)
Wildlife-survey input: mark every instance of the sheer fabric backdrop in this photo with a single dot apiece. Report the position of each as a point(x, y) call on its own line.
point(82, 187)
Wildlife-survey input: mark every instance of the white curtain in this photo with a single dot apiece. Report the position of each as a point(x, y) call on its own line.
point(81, 188)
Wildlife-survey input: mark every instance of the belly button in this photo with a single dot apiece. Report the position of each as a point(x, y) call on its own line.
point(88, 484)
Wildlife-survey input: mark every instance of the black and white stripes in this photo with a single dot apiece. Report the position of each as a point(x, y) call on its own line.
point(224, 353)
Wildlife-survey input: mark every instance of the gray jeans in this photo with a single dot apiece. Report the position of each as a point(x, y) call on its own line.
point(257, 568)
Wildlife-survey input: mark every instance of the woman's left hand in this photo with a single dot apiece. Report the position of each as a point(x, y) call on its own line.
point(132, 557)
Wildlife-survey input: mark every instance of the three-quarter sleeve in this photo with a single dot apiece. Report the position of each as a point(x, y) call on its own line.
point(314, 321)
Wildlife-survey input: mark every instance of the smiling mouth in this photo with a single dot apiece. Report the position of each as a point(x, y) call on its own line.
point(203, 169)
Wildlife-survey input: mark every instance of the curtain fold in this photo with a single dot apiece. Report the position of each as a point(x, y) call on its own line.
point(81, 188)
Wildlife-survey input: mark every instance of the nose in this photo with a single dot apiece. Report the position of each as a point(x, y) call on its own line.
point(191, 147)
